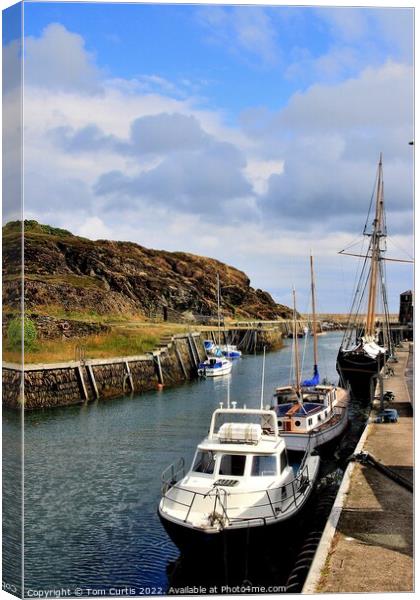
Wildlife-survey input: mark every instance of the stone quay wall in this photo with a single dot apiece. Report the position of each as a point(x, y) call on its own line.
point(64, 384)
point(75, 382)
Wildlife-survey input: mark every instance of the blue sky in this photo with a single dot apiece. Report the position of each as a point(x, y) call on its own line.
point(246, 133)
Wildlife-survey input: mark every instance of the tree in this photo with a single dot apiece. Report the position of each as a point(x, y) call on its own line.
point(14, 333)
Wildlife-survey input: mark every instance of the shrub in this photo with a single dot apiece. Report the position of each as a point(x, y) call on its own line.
point(14, 333)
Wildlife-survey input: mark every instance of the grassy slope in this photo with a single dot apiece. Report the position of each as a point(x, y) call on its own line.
point(124, 340)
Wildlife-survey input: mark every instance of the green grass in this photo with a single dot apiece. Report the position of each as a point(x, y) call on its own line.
point(77, 281)
point(123, 340)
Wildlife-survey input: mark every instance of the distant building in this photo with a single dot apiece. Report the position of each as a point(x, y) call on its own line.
point(406, 308)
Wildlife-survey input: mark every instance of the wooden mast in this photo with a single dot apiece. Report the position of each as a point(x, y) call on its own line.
point(218, 306)
point(296, 348)
point(314, 321)
point(375, 244)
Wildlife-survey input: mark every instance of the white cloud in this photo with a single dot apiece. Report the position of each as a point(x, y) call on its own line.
point(59, 60)
point(247, 31)
point(94, 228)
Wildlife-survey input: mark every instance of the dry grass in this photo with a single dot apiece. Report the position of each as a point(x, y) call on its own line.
point(127, 340)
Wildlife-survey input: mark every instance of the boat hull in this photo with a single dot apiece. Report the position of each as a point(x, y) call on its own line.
point(232, 353)
point(360, 371)
point(209, 372)
point(190, 540)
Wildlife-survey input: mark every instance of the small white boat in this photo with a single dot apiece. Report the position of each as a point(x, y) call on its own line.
point(227, 350)
point(230, 351)
point(240, 484)
point(214, 366)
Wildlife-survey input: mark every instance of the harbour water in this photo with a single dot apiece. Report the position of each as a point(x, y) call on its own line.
point(92, 481)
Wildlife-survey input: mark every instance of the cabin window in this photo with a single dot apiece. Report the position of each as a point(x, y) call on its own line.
point(319, 417)
point(309, 421)
point(232, 464)
point(264, 466)
point(283, 461)
point(297, 423)
point(204, 462)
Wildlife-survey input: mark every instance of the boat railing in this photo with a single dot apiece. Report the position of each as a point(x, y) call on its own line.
point(274, 501)
point(172, 474)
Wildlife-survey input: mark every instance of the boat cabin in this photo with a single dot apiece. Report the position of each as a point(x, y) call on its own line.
point(240, 452)
point(312, 409)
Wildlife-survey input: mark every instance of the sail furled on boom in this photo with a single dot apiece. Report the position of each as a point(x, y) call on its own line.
point(315, 378)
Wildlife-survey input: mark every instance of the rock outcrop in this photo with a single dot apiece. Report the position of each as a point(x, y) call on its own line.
point(108, 277)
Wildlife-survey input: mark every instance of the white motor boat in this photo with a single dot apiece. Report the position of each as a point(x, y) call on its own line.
point(227, 350)
point(240, 484)
point(214, 366)
point(230, 350)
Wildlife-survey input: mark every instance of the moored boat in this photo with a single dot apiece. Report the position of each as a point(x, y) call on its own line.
point(230, 351)
point(216, 363)
point(367, 344)
point(227, 350)
point(240, 485)
point(214, 366)
point(307, 412)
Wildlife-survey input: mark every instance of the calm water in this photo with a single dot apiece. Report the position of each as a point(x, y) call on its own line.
point(92, 475)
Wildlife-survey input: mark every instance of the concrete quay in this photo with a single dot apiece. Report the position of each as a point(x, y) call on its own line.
point(367, 545)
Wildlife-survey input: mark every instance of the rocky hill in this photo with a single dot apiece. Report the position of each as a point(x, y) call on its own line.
point(122, 278)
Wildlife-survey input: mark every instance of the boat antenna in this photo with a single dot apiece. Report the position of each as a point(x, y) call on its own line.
point(262, 381)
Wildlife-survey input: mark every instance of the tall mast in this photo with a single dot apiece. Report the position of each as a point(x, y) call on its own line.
point(375, 254)
point(295, 344)
point(218, 306)
point(314, 321)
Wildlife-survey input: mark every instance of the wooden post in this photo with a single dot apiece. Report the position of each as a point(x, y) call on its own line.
point(82, 381)
point(178, 353)
point(93, 381)
point(159, 369)
point(196, 349)
point(130, 378)
point(192, 350)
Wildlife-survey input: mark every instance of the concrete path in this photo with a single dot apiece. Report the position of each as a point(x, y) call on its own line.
point(372, 548)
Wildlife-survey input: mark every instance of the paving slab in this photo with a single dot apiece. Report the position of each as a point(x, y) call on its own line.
point(372, 547)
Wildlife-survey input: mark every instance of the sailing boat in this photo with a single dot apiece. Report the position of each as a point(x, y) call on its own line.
point(310, 414)
point(366, 346)
point(216, 364)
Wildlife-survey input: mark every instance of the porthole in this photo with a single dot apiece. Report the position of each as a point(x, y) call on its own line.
point(297, 423)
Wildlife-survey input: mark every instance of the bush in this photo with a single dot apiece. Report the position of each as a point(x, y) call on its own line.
point(14, 333)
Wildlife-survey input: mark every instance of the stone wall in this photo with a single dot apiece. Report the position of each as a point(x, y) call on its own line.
point(47, 386)
point(11, 387)
point(65, 384)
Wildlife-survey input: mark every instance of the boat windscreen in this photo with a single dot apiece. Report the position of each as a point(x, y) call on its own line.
point(204, 462)
point(264, 466)
point(232, 464)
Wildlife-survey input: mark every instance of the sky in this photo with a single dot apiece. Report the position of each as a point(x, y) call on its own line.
point(250, 134)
